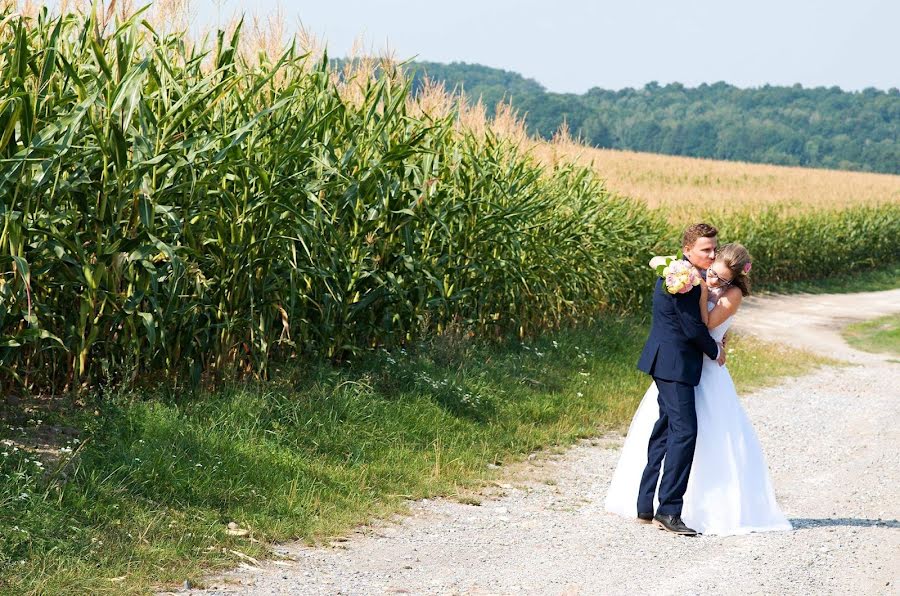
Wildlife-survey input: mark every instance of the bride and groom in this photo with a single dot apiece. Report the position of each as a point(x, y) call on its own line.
point(690, 422)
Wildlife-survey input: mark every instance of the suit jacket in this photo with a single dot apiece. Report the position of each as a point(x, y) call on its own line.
point(678, 338)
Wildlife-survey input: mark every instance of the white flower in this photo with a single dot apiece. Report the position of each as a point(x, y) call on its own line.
point(657, 261)
point(580, 394)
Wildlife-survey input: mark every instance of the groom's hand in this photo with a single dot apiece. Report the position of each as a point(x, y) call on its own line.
point(721, 358)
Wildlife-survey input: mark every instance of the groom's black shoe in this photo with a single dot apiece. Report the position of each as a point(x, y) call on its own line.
point(672, 523)
point(645, 518)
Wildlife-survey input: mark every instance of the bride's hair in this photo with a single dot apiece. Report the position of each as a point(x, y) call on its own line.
point(737, 258)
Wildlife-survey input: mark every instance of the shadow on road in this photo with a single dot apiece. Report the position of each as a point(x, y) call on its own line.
point(807, 523)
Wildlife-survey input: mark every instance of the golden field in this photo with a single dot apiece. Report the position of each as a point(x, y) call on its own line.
point(688, 183)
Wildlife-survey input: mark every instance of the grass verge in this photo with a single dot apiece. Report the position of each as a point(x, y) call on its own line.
point(144, 493)
point(874, 280)
point(878, 335)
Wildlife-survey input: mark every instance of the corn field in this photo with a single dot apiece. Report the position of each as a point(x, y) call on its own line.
point(171, 211)
point(814, 244)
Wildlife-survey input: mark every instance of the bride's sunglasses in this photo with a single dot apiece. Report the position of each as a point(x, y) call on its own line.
point(712, 273)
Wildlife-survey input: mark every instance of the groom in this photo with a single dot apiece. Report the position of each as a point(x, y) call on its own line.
point(673, 356)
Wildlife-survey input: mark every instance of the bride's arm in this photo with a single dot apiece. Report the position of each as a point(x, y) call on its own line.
point(725, 307)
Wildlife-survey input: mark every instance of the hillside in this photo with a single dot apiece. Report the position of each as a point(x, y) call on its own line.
point(813, 127)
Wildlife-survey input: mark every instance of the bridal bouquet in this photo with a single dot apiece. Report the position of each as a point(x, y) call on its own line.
point(679, 275)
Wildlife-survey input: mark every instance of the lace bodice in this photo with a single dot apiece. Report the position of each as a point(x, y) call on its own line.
point(718, 332)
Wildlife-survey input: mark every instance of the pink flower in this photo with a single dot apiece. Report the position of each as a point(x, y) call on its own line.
point(680, 277)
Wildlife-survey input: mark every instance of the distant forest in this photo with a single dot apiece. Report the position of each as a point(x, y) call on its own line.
point(813, 127)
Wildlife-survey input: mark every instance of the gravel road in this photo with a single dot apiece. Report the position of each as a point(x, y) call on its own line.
point(831, 439)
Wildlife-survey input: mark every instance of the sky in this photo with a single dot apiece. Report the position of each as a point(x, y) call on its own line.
point(573, 45)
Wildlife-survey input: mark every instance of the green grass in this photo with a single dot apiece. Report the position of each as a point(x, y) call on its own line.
point(150, 488)
point(754, 364)
point(878, 335)
point(874, 280)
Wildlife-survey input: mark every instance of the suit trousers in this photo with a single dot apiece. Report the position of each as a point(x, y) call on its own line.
point(672, 442)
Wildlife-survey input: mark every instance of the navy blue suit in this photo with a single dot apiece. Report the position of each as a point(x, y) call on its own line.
point(673, 356)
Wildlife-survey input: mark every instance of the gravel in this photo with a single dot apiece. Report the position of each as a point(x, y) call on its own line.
point(831, 439)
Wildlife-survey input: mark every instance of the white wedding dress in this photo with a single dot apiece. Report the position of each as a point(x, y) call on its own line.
point(729, 490)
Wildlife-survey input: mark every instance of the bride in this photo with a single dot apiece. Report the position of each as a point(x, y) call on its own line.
point(729, 490)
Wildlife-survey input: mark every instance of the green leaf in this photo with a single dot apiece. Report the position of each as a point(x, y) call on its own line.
point(150, 326)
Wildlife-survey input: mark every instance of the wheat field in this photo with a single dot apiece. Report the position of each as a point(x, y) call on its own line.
point(688, 183)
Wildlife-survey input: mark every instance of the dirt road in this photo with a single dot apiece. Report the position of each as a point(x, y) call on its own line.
point(832, 440)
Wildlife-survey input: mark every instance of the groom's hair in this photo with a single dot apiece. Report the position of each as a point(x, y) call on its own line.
point(698, 230)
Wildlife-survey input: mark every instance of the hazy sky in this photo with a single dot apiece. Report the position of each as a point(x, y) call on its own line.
point(573, 45)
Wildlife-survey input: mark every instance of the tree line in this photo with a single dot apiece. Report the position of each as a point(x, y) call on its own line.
point(798, 126)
